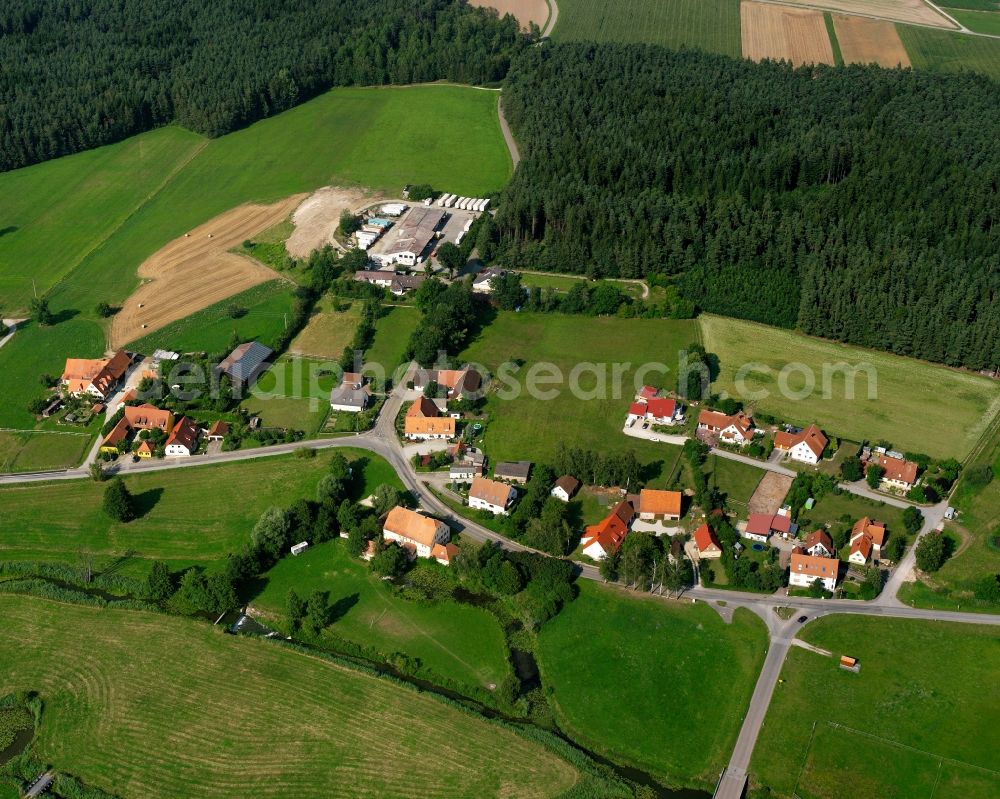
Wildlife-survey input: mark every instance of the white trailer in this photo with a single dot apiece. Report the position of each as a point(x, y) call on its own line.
point(480, 204)
point(393, 209)
point(486, 204)
point(450, 201)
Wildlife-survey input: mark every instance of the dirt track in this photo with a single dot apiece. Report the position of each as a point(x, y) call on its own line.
point(196, 270)
point(770, 493)
point(317, 217)
point(870, 41)
point(525, 11)
point(779, 32)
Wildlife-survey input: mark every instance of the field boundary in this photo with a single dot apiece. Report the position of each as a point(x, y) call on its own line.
point(819, 6)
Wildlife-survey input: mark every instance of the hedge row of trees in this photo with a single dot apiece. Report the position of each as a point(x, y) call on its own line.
point(858, 203)
point(81, 73)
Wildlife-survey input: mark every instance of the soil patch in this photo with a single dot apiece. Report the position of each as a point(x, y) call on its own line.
point(524, 11)
point(770, 493)
point(781, 33)
point(197, 270)
point(317, 217)
point(870, 41)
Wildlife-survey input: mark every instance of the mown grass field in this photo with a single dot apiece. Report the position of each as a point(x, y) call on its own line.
point(736, 480)
point(918, 406)
point(532, 427)
point(921, 715)
point(42, 450)
point(81, 225)
point(951, 52)
point(328, 331)
point(974, 558)
point(979, 21)
point(293, 393)
point(145, 705)
point(190, 515)
point(660, 685)
point(712, 25)
point(392, 334)
point(458, 641)
point(268, 309)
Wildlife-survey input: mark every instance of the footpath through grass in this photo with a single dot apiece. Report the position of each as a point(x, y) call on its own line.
point(918, 406)
point(662, 685)
point(918, 721)
point(712, 25)
point(145, 705)
point(191, 515)
point(458, 641)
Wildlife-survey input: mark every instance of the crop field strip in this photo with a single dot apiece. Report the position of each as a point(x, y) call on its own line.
point(782, 33)
point(869, 41)
point(126, 715)
point(712, 25)
point(524, 11)
point(916, 12)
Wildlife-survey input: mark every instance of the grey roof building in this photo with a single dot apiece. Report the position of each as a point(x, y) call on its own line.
point(245, 363)
point(513, 471)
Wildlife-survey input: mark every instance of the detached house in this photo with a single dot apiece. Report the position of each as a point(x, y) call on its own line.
point(655, 411)
point(513, 471)
point(352, 395)
point(565, 487)
point(736, 429)
point(761, 526)
point(806, 446)
point(807, 569)
point(899, 473)
point(417, 533)
point(98, 377)
point(424, 421)
point(706, 543)
point(659, 505)
point(819, 544)
point(491, 495)
point(183, 439)
point(603, 539)
point(457, 383)
point(867, 539)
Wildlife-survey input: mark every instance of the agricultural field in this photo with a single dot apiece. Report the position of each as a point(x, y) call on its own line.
point(294, 393)
point(42, 450)
point(125, 714)
point(263, 312)
point(951, 52)
point(977, 551)
point(712, 25)
point(174, 283)
point(525, 11)
point(978, 21)
point(869, 41)
point(780, 33)
point(197, 514)
point(532, 427)
point(915, 11)
point(674, 671)
point(916, 721)
point(392, 334)
point(328, 331)
point(116, 206)
point(454, 640)
point(907, 409)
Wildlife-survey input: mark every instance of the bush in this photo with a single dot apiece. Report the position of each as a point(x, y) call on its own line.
point(979, 476)
point(931, 552)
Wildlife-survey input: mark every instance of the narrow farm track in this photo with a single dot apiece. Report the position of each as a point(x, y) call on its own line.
point(508, 137)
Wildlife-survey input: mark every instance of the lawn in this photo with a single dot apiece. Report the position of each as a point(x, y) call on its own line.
point(736, 480)
point(978, 520)
point(146, 705)
point(919, 407)
point(831, 507)
point(455, 640)
point(80, 226)
point(532, 426)
point(42, 450)
point(392, 334)
point(943, 51)
point(195, 514)
point(268, 309)
point(328, 331)
point(918, 721)
point(712, 25)
point(293, 393)
point(659, 684)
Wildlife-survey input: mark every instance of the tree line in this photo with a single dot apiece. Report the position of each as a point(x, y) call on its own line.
point(855, 203)
point(82, 73)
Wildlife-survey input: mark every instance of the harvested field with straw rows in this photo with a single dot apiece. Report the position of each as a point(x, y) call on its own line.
point(784, 34)
point(869, 41)
point(915, 11)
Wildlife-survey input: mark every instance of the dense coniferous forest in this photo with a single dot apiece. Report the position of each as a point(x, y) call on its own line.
point(859, 204)
point(81, 73)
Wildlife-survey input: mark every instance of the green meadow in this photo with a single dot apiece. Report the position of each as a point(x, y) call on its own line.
point(943, 51)
point(918, 406)
point(661, 685)
point(146, 705)
point(918, 721)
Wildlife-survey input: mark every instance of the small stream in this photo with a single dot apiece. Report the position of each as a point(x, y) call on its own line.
point(21, 740)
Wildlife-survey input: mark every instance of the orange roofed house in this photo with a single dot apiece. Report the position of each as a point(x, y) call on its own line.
point(424, 421)
point(659, 505)
point(491, 495)
point(137, 417)
point(806, 446)
point(899, 473)
point(807, 569)
point(736, 429)
point(183, 439)
point(98, 377)
point(603, 539)
point(706, 543)
point(417, 532)
point(867, 538)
